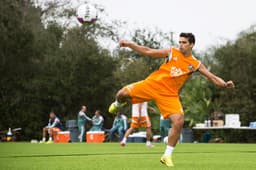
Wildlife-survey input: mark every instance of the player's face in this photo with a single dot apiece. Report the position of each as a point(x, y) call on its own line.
point(52, 115)
point(184, 45)
point(84, 109)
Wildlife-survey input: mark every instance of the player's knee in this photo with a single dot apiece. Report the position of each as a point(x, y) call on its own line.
point(178, 122)
point(122, 93)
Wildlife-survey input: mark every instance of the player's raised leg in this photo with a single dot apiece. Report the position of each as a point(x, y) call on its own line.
point(122, 97)
point(173, 137)
point(135, 93)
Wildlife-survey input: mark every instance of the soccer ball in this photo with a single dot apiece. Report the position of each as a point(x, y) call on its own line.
point(166, 140)
point(86, 14)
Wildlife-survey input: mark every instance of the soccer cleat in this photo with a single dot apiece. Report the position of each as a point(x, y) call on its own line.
point(167, 160)
point(49, 142)
point(115, 107)
point(150, 145)
point(122, 144)
point(41, 142)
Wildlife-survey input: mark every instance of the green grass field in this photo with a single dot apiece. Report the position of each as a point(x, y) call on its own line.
point(110, 156)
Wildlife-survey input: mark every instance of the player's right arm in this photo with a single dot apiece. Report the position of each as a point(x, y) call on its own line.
point(156, 53)
point(87, 118)
point(215, 79)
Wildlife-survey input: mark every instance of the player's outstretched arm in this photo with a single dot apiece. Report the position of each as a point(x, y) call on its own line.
point(157, 53)
point(215, 79)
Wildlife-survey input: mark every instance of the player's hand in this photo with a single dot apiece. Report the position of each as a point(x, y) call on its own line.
point(153, 110)
point(229, 84)
point(124, 43)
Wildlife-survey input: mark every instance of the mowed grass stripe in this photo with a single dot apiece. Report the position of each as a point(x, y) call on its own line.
point(110, 156)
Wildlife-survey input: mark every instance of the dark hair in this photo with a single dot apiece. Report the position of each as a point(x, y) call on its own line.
point(189, 36)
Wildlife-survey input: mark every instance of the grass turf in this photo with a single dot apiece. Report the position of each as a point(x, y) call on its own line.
point(110, 156)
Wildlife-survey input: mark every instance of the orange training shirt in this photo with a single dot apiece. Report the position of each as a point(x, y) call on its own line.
point(173, 73)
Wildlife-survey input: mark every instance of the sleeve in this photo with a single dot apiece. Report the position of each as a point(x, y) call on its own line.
point(88, 118)
point(56, 121)
point(82, 114)
point(169, 57)
point(195, 64)
point(114, 123)
point(93, 120)
point(49, 123)
point(100, 121)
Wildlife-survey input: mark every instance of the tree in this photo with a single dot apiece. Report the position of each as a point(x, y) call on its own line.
point(236, 61)
point(49, 67)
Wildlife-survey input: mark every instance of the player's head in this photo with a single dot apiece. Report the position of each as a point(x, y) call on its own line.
point(118, 113)
point(186, 42)
point(83, 108)
point(52, 114)
point(97, 112)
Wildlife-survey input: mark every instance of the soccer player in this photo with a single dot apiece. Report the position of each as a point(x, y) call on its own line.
point(54, 126)
point(163, 85)
point(119, 125)
point(97, 121)
point(82, 118)
point(140, 118)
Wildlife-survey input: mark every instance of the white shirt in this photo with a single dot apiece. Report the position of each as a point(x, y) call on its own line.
point(136, 107)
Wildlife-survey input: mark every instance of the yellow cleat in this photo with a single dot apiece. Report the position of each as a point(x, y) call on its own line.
point(49, 142)
point(113, 108)
point(167, 160)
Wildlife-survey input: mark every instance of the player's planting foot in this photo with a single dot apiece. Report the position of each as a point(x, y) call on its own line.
point(115, 106)
point(167, 160)
point(122, 144)
point(150, 145)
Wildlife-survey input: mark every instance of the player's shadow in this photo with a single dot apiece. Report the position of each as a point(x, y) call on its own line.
point(103, 154)
point(74, 155)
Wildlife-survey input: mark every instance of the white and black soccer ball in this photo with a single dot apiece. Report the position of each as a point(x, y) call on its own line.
point(86, 14)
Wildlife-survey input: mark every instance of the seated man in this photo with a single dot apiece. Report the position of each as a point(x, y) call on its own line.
point(97, 121)
point(119, 125)
point(82, 118)
point(54, 126)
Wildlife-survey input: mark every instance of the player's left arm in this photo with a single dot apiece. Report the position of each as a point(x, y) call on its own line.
point(146, 51)
point(100, 121)
point(87, 118)
point(56, 121)
point(215, 79)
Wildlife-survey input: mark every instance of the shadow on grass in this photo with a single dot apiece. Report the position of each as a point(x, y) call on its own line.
point(103, 154)
point(74, 155)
